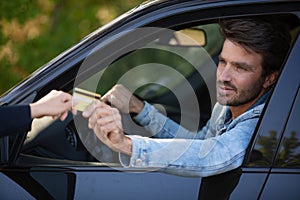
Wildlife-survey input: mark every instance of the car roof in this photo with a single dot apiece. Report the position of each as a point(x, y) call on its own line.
point(146, 6)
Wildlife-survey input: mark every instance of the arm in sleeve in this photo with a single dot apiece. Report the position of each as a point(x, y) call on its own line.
point(14, 119)
point(163, 127)
point(193, 157)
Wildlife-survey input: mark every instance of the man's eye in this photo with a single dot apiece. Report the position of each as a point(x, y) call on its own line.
point(240, 68)
point(222, 62)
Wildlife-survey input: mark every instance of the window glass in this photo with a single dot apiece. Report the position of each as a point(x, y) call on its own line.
point(289, 151)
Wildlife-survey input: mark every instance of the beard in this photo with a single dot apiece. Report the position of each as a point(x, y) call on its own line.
point(238, 96)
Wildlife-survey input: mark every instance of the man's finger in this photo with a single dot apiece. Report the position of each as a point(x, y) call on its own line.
point(90, 109)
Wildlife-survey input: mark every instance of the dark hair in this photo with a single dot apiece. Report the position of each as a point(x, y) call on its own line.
point(264, 35)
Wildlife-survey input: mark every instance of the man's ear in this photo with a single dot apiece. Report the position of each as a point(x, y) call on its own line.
point(270, 79)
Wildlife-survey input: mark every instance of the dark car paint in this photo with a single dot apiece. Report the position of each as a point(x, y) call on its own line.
point(74, 182)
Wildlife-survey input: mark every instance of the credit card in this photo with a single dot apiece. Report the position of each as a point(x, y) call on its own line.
point(83, 98)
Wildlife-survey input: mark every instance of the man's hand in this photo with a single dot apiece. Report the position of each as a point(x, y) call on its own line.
point(121, 98)
point(55, 104)
point(107, 125)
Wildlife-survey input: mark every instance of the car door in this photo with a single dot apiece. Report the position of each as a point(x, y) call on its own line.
point(51, 165)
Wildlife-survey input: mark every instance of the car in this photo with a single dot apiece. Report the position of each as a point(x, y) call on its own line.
point(166, 52)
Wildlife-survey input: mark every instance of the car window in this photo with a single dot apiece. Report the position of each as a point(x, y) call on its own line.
point(171, 73)
point(288, 154)
point(289, 151)
point(178, 77)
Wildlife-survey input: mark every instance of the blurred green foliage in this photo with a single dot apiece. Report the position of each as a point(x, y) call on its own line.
point(32, 32)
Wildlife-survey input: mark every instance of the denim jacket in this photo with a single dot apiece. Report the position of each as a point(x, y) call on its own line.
point(219, 147)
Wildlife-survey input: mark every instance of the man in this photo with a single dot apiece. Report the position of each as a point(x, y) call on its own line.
point(253, 52)
point(17, 118)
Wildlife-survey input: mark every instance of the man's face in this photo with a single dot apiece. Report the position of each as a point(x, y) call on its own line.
point(239, 76)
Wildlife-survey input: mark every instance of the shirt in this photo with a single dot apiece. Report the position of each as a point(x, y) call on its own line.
point(218, 147)
point(14, 119)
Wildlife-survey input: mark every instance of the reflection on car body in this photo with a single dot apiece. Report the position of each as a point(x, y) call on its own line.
point(58, 160)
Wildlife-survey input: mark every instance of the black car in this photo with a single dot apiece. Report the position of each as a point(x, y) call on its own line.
point(166, 52)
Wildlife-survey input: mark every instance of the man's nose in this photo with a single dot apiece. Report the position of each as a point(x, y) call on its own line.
point(225, 73)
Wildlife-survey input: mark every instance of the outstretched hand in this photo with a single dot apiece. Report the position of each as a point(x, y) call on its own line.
point(55, 104)
point(107, 124)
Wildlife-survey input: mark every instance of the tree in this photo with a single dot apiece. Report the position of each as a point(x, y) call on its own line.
point(32, 32)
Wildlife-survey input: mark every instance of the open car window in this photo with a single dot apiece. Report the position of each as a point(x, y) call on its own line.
point(170, 72)
point(173, 71)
